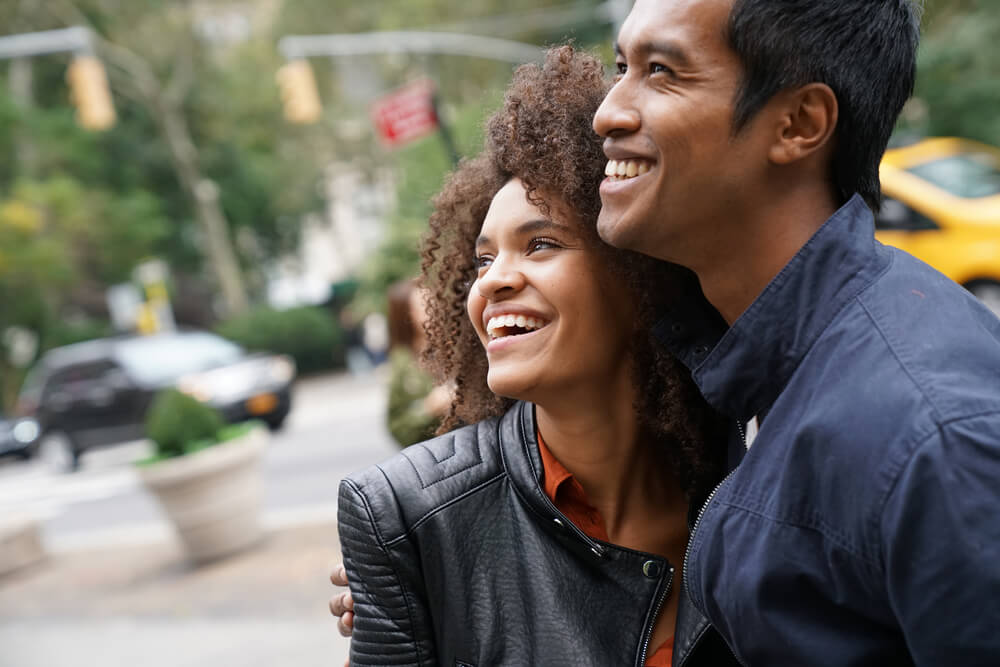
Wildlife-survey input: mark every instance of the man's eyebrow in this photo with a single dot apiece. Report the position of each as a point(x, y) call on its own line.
point(529, 227)
point(670, 50)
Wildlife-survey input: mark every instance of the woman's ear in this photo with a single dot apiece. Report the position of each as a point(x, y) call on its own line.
point(807, 118)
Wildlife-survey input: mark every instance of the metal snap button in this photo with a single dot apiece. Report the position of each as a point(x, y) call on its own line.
point(559, 523)
point(651, 569)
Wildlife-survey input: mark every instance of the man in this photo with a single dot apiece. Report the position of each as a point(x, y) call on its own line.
point(862, 527)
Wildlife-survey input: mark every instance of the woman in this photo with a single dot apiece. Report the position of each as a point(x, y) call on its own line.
point(547, 531)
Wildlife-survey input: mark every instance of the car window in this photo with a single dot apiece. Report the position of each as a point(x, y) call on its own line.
point(76, 378)
point(969, 175)
point(161, 359)
point(895, 215)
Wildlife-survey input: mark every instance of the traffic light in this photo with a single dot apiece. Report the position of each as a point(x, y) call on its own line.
point(298, 92)
point(89, 92)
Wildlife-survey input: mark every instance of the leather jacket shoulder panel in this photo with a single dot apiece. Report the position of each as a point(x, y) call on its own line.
point(423, 478)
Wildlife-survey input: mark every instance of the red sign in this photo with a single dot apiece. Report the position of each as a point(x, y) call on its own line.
point(406, 114)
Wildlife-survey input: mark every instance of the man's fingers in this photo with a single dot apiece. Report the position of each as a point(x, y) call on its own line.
point(341, 604)
point(346, 624)
point(339, 576)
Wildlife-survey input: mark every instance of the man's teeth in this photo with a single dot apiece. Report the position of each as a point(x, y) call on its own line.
point(497, 324)
point(622, 169)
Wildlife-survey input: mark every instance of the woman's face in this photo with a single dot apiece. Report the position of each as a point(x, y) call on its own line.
point(550, 314)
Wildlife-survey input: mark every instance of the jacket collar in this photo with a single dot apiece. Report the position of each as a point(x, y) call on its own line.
point(742, 370)
point(517, 433)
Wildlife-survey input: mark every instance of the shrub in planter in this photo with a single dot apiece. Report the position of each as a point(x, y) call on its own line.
point(179, 424)
point(206, 475)
point(309, 335)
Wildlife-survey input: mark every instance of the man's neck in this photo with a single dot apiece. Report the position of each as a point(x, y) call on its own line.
point(733, 274)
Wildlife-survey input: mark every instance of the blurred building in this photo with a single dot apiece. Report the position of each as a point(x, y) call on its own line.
point(334, 245)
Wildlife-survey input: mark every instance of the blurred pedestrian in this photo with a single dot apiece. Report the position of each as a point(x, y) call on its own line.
point(415, 405)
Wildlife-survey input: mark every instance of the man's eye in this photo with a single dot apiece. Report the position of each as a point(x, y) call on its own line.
point(622, 68)
point(657, 68)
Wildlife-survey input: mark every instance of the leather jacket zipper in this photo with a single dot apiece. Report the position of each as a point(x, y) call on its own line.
point(656, 613)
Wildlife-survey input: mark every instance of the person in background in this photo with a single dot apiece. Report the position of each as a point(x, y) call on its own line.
point(415, 405)
point(551, 529)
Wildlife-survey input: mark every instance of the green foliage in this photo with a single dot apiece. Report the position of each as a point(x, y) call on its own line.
point(178, 423)
point(308, 334)
point(958, 70)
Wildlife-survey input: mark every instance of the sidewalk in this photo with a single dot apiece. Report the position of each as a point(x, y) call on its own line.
point(144, 605)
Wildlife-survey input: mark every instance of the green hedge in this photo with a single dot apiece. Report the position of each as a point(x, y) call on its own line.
point(310, 335)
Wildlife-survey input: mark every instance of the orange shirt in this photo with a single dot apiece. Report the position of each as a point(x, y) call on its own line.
point(569, 498)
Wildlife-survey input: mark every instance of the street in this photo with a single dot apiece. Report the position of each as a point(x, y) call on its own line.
point(116, 590)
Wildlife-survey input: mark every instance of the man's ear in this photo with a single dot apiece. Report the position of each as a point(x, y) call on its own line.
point(807, 117)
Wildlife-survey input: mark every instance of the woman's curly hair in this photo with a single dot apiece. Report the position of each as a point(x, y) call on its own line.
point(543, 136)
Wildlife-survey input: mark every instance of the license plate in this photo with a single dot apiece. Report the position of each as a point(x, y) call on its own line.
point(262, 404)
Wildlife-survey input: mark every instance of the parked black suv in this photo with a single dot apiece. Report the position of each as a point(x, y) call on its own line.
point(97, 392)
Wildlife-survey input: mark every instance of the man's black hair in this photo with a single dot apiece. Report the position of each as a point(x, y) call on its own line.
point(865, 50)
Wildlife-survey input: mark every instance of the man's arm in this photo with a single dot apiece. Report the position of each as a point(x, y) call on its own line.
point(941, 544)
point(392, 623)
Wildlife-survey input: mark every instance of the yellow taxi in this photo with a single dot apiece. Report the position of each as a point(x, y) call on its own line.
point(941, 203)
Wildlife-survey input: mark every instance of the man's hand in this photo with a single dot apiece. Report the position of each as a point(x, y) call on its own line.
point(342, 604)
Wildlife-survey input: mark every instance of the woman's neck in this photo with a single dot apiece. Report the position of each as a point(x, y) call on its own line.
point(597, 437)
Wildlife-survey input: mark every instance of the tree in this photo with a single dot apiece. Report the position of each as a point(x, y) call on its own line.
point(958, 69)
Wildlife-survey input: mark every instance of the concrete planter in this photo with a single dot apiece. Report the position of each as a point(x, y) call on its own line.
point(20, 544)
point(213, 496)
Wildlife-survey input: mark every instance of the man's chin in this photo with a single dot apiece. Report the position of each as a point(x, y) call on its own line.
point(613, 229)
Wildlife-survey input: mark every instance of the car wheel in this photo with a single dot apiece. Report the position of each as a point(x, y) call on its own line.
point(987, 291)
point(275, 423)
point(57, 454)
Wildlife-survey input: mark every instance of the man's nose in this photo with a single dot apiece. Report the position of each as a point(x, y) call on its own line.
point(617, 114)
point(503, 275)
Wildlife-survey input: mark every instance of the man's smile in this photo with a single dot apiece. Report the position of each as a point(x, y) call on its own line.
point(625, 169)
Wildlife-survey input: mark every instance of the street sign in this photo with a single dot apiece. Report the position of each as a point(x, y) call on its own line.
point(406, 114)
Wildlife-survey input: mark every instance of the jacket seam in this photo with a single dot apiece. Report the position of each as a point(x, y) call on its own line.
point(902, 364)
point(905, 462)
point(425, 485)
point(430, 513)
point(824, 531)
point(392, 564)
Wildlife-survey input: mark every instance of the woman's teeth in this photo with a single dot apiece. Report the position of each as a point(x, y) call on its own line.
point(511, 325)
point(623, 169)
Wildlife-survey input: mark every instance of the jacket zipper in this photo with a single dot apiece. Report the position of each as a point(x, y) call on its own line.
point(697, 521)
point(656, 613)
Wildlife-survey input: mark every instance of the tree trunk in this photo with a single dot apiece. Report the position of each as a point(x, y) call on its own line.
point(204, 194)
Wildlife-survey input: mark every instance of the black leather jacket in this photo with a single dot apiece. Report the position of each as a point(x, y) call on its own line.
point(456, 557)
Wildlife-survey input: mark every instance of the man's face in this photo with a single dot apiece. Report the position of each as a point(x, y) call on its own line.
point(668, 120)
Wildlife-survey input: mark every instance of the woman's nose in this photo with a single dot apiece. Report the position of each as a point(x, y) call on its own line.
point(617, 114)
point(502, 275)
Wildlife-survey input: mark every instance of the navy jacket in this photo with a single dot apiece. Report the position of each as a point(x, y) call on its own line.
point(863, 525)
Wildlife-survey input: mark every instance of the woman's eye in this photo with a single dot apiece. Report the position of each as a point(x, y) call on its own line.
point(541, 244)
point(482, 261)
point(621, 68)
